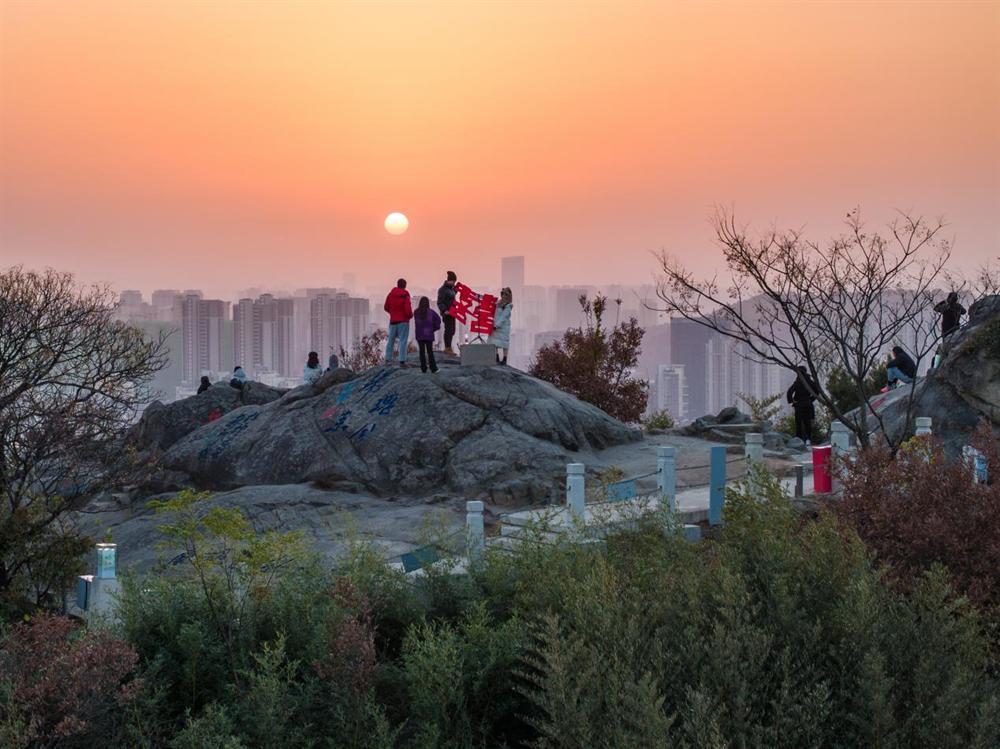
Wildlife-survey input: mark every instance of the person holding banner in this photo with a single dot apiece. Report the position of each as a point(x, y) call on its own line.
point(500, 337)
point(446, 298)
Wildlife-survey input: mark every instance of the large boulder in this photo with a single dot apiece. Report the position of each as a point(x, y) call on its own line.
point(960, 392)
point(162, 424)
point(471, 431)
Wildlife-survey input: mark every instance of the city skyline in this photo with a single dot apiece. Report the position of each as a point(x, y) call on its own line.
point(275, 144)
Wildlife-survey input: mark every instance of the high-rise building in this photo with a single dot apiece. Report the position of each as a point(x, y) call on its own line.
point(337, 321)
point(671, 391)
point(568, 312)
point(264, 336)
point(167, 305)
point(688, 348)
point(512, 272)
point(512, 277)
point(204, 327)
point(732, 370)
point(131, 307)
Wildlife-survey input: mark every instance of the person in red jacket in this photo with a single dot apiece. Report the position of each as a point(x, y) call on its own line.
point(397, 304)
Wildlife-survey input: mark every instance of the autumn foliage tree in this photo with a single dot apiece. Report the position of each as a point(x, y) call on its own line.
point(72, 378)
point(916, 509)
point(596, 364)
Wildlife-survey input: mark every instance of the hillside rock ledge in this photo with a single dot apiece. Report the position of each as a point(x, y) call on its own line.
point(475, 432)
point(964, 389)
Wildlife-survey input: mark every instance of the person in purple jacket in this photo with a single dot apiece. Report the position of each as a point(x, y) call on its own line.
point(425, 323)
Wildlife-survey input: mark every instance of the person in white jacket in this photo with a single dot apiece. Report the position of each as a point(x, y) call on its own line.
point(312, 370)
point(500, 337)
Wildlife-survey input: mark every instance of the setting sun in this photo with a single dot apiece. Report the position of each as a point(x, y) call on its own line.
point(396, 223)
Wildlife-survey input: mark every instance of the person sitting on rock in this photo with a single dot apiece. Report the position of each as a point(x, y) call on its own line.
point(426, 323)
point(312, 371)
point(500, 337)
point(400, 310)
point(332, 363)
point(900, 368)
point(239, 378)
point(951, 313)
point(801, 395)
point(205, 384)
point(446, 297)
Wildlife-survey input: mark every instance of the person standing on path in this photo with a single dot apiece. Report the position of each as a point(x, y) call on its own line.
point(500, 337)
point(426, 323)
point(446, 297)
point(400, 310)
point(801, 395)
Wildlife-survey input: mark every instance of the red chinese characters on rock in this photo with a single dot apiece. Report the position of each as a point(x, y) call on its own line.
point(476, 310)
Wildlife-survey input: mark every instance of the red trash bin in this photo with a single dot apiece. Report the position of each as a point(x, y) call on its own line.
point(822, 481)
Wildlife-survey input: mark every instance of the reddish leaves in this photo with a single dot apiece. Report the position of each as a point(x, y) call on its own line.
point(63, 681)
point(917, 509)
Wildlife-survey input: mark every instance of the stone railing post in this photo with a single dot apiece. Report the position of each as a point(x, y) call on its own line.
point(666, 477)
point(475, 534)
point(576, 501)
point(753, 449)
point(799, 479)
point(717, 484)
point(104, 585)
point(840, 442)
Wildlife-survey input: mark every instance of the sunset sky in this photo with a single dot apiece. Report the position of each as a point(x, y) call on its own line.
point(222, 145)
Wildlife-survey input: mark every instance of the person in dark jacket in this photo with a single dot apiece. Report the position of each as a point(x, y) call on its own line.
point(425, 324)
point(951, 313)
point(801, 395)
point(397, 304)
point(900, 368)
point(312, 371)
point(205, 384)
point(446, 297)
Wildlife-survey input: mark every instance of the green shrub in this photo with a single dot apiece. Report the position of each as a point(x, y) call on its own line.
point(659, 420)
point(777, 631)
point(762, 409)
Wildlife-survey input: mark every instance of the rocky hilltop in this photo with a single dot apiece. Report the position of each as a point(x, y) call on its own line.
point(491, 432)
point(964, 388)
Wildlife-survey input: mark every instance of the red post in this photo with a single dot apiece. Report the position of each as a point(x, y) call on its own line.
point(822, 480)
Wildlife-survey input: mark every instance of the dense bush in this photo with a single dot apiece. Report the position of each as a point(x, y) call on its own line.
point(776, 632)
point(915, 509)
point(63, 686)
point(597, 364)
point(659, 420)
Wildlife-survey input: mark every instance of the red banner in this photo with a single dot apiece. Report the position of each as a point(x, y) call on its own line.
point(476, 310)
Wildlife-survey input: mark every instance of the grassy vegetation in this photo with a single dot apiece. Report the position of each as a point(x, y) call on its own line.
point(778, 632)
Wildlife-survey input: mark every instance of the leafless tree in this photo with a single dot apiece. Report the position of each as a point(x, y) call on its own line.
point(71, 379)
point(795, 303)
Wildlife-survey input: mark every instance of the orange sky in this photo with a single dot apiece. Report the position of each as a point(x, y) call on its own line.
point(222, 145)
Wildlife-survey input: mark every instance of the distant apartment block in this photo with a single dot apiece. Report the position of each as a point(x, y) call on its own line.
point(671, 391)
point(204, 327)
point(264, 336)
point(733, 369)
point(337, 321)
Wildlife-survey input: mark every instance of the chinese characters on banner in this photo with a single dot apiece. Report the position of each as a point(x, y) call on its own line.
point(478, 310)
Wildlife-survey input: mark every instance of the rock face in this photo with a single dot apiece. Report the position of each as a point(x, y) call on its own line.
point(473, 431)
point(964, 389)
point(163, 425)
